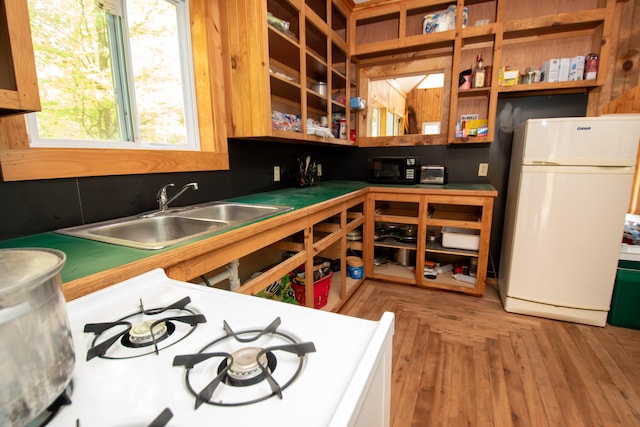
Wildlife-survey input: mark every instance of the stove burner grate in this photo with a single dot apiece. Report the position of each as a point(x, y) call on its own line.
point(245, 367)
point(148, 333)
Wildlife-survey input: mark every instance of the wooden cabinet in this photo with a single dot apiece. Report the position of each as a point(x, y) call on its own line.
point(472, 42)
point(323, 235)
point(18, 81)
point(288, 67)
point(518, 34)
point(292, 245)
point(430, 212)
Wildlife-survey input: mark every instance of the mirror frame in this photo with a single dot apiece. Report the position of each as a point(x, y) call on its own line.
point(402, 67)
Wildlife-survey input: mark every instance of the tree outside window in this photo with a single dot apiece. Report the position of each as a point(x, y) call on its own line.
point(113, 70)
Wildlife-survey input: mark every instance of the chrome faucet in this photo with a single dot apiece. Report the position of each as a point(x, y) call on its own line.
point(163, 200)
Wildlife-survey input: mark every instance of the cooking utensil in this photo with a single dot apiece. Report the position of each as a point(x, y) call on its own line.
point(403, 256)
point(354, 235)
point(379, 260)
point(320, 87)
point(409, 230)
point(37, 354)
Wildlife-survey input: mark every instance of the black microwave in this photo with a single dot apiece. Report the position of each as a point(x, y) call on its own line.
point(394, 169)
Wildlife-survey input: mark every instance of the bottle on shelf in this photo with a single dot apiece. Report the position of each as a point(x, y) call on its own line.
point(478, 72)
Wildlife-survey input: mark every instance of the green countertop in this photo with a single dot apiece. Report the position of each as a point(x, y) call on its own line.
point(86, 257)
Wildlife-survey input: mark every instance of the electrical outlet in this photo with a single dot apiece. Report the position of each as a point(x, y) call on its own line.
point(276, 173)
point(483, 169)
point(319, 169)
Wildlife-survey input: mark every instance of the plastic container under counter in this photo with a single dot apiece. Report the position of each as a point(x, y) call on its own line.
point(460, 238)
point(626, 292)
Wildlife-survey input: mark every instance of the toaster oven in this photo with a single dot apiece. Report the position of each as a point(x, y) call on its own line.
point(433, 174)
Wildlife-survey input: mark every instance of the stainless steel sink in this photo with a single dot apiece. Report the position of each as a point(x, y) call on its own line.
point(157, 230)
point(229, 211)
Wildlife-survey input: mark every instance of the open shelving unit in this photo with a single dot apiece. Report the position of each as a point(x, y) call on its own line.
point(514, 33)
point(429, 212)
point(296, 247)
point(279, 68)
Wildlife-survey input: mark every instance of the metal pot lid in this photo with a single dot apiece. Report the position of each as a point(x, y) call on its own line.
point(23, 266)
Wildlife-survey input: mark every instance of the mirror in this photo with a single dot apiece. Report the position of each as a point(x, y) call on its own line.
point(405, 102)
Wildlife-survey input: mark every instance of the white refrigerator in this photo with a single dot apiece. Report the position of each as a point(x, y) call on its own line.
point(569, 187)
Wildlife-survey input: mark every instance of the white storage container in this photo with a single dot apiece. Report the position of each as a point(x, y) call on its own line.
point(460, 238)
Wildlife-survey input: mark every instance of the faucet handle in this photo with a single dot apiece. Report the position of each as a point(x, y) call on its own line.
point(161, 197)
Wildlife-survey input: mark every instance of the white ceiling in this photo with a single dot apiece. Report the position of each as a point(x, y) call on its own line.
point(408, 83)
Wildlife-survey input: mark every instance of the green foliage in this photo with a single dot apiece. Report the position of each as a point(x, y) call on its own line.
point(74, 64)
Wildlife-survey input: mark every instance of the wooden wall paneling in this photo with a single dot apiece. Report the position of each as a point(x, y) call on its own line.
point(208, 49)
point(248, 62)
point(13, 133)
point(427, 103)
point(623, 70)
point(453, 86)
point(627, 57)
point(497, 60)
point(521, 9)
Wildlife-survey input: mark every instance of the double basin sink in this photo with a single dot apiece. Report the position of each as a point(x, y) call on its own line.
point(162, 229)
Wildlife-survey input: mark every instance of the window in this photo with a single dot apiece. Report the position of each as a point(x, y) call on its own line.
point(113, 74)
point(20, 161)
point(375, 121)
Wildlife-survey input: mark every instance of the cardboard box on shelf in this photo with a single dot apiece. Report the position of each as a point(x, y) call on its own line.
point(551, 71)
point(508, 77)
point(565, 66)
point(477, 127)
point(576, 68)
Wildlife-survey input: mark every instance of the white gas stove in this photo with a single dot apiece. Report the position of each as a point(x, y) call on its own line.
point(217, 351)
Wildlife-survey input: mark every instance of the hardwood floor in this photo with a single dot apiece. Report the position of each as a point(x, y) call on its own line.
point(462, 360)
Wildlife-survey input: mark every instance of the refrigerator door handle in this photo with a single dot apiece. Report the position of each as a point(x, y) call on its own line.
point(613, 165)
point(544, 163)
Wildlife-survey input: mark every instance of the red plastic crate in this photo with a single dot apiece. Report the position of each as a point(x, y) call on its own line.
point(320, 290)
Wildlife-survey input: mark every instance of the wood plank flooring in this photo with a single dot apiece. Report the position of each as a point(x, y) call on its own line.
point(462, 360)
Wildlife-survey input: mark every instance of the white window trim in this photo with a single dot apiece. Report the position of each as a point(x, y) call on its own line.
point(189, 96)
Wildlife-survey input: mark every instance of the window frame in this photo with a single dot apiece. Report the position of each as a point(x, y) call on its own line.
point(19, 161)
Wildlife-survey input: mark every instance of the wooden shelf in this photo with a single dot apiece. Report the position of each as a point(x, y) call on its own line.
point(322, 231)
point(281, 88)
point(468, 211)
point(558, 23)
point(436, 247)
point(286, 50)
point(306, 55)
point(395, 271)
point(532, 33)
point(577, 85)
point(482, 92)
point(390, 242)
point(477, 31)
